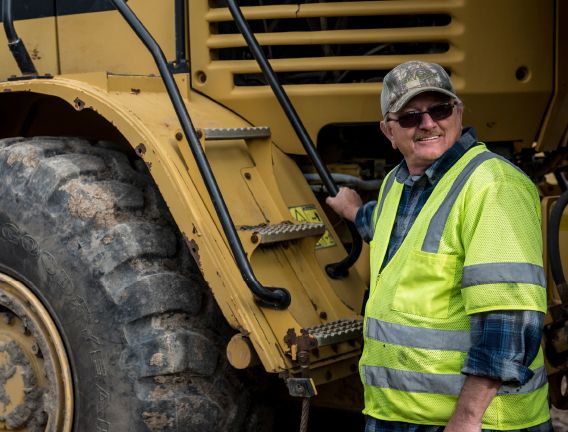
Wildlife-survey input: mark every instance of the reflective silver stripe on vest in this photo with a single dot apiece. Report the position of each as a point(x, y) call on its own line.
point(438, 222)
point(416, 337)
point(447, 384)
point(479, 274)
point(386, 190)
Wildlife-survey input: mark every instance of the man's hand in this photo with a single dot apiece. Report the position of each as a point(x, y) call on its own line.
point(346, 203)
point(476, 395)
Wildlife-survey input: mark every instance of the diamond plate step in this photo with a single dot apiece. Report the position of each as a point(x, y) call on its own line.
point(285, 231)
point(219, 134)
point(336, 331)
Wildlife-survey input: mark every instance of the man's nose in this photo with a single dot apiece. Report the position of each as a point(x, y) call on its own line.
point(426, 121)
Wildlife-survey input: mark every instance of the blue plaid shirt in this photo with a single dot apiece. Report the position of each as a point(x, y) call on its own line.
point(504, 343)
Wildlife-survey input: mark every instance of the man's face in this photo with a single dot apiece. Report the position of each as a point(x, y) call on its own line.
point(423, 144)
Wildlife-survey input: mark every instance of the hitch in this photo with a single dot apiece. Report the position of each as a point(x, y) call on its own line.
point(304, 387)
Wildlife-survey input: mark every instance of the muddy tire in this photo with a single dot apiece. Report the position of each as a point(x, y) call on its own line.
point(85, 230)
point(558, 389)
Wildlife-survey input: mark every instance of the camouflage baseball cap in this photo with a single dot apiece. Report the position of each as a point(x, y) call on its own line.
point(410, 79)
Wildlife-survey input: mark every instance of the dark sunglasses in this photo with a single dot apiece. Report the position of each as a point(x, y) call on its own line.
point(414, 118)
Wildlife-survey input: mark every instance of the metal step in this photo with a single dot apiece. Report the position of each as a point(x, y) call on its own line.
point(336, 331)
point(219, 134)
point(285, 231)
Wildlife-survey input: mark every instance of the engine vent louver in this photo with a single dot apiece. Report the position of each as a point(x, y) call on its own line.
point(328, 43)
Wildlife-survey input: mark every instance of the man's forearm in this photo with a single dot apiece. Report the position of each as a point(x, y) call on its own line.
point(476, 395)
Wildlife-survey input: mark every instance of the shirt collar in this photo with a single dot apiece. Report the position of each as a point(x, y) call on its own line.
point(467, 140)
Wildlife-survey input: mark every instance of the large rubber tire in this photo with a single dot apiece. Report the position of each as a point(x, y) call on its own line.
point(85, 229)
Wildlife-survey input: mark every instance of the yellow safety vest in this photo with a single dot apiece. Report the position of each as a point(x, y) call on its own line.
point(476, 246)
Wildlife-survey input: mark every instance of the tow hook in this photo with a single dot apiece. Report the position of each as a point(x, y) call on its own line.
point(304, 387)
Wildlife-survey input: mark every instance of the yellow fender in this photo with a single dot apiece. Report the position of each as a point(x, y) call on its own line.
point(142, 114)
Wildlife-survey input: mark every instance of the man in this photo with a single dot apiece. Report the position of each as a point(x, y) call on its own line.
point(457, 292)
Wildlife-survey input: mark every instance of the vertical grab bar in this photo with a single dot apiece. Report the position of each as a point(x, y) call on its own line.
point(335, 270)
point(277, 298)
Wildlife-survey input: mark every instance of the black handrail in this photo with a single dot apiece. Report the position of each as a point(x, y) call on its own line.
point(334, 270)
point(19, 51)
point(278, 298)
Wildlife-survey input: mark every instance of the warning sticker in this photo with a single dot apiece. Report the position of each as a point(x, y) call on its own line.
point(308, 213)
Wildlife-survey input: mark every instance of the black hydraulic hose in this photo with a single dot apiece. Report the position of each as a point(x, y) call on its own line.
point(17, 47)
point(337, 269)
point(553, 241)
point(278, 298)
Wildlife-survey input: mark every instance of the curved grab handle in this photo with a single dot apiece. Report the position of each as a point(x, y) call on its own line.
point(16, 45)
point(341, 268)
point(278, 298)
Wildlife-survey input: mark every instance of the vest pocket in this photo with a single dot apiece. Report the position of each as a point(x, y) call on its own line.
point(425, 284)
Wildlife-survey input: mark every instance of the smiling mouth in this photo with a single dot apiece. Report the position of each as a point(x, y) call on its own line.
point(426, 139)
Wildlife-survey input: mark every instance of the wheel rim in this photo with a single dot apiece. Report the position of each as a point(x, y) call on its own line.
point(36, 390)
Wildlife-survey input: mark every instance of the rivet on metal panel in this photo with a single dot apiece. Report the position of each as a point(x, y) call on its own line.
point(201, 77)
point(140, 149)
point(323, 315)
point(79, 104)
point(254, 238)
point(248, 175)
point(523, 74)
point(179, 136)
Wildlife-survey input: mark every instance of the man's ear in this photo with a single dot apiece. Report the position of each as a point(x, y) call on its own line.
point(386, 130)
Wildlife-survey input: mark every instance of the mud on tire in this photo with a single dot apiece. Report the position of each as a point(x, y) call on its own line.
point(88, 233)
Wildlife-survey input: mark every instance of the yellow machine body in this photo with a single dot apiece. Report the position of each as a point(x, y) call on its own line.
point(507, 60)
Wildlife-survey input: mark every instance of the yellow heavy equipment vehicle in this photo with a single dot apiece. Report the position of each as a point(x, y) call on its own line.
point(163, 250)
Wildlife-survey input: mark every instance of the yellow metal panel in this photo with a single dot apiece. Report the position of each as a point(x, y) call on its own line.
point(313, 10)
point(504, 55)
point(339, 36)
point(326, 63)
point(145, 117)
point(148, 118)
point(289, 177)
point(229, 158)
point(39, 36)
point(103, 41)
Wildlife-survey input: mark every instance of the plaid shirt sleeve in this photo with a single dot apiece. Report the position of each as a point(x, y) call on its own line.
point(364, 221)
point(504, 344)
